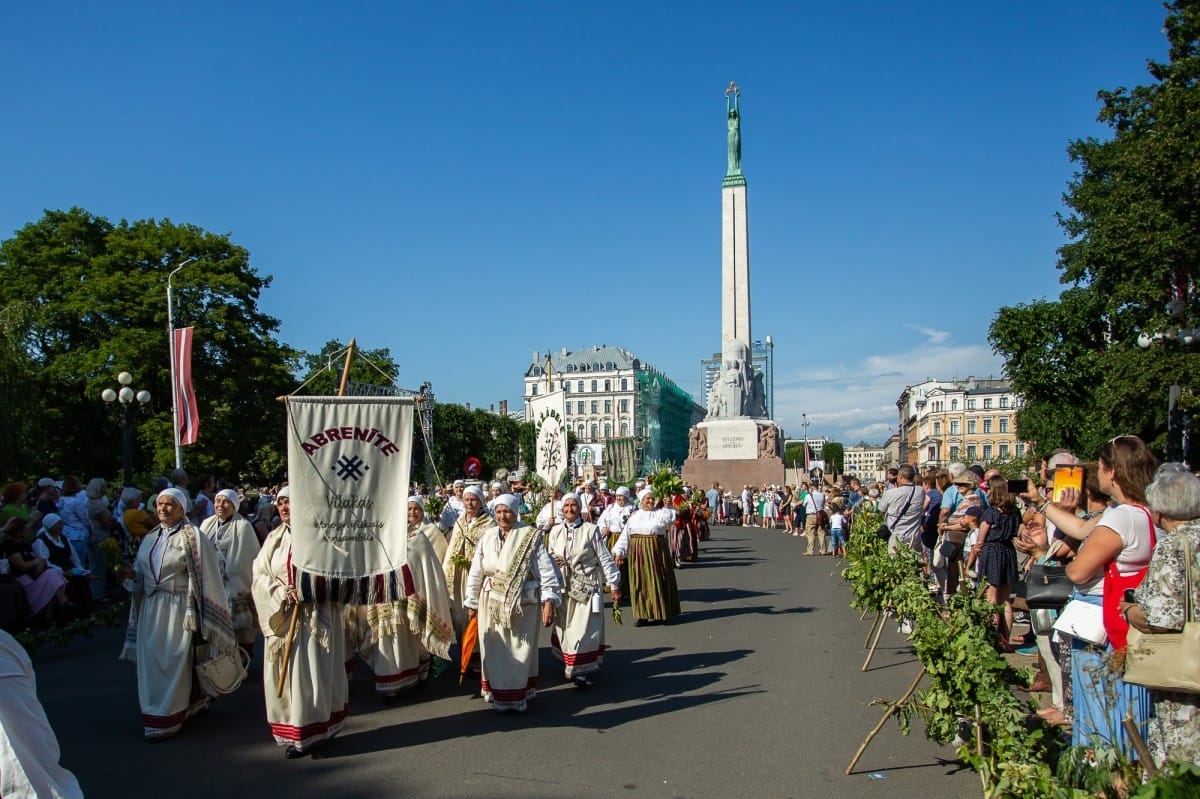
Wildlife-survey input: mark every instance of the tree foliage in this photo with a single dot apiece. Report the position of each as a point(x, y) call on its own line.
point(323, 369)
point(460, 433)
point(92, 296)
point(834, 455)
point(1131, 265)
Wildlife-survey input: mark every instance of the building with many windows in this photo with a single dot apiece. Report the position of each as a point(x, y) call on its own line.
point(972, 420)
point(762, 361)
point(864, 461)
point(611, 394)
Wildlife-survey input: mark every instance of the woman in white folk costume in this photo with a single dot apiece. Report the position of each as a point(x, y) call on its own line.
point(612, 521)
point(583, 559)
point(237, 545)
point(396, 639)
point(513, 587)
point(653, 591)
point(417, 522)
point(464, 538)
point(179, 607)
point(315, 699)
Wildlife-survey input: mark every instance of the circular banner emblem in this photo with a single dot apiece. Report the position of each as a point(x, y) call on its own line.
point(472, 467)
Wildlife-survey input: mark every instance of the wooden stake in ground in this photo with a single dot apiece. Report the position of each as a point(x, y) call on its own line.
point(1139, 743)
point(870, 632)
point(892, 708)
point(878, 632)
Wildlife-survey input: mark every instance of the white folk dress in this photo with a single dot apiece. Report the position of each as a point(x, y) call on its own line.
point(578, 636)
point(508, 637)
point(315, 699)
point(161, 637)
point(457, 563)
point(396, 638)
point(238, 545)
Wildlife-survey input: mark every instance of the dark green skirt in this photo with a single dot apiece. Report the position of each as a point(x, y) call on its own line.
point(652, 588)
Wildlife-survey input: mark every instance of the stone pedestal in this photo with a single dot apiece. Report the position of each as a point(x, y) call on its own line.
point(734, 453)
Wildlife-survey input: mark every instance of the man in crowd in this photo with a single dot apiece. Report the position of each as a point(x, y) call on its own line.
point(903, 508)
point(814, 528)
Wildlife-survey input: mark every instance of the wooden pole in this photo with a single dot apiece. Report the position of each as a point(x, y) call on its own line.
point(870, 632)
point(878, 632)
point(1139, 743)
point(892, 708)
point(346, 368)
point(863, 616)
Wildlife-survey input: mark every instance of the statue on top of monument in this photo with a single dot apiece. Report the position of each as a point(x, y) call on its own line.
point(734, 123)
point(730, 394)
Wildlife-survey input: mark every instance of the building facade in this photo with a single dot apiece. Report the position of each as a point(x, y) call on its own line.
point(972, 420)
point(762, 361)
point(865, 461)
point(611, 394)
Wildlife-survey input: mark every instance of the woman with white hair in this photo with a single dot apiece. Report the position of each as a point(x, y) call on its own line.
point(396, 639)
point(464, 538)
point(237, 544)
point(652, 587)
point(512, 577)
point(178, 599)
point(1160, 605)
point(583, 559)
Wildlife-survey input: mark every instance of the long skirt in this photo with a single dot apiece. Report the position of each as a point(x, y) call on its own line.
point(1102, 699)
point(682, 544)
point(394, 654)
point(508, 656)
point(165, 652)
point(41, 592)
point(578, 637)
point(315, 699)
point(652, 588)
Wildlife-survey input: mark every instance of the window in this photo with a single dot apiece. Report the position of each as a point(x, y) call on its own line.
point(953, 427)
point(580, 407)
point(608, 385)
point(566, 386)
point(937, 428)
point(595, 406)
point(954, 405)
point(1003, 424)
point(624, 428)
point(931, 455)
point(954, 453)
point(533, 390)
point(970, 427)
point(608, 429)
point(972, 452)
point(608, 406)
point(987, 452)
point(594, 384)
point(970, 405)
point(1020, 449)
point(624, 405)
point(1004, 402)
point(595, 431)
point(579, 386)
point(1003, 449)
point(581, 429)
point(987, 404)
point(987, 425)
point(624, 384)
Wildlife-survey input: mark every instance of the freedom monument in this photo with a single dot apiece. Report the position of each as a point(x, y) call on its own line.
point(736, 444)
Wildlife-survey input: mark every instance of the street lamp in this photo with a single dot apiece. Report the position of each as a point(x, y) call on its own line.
point(126, 397)
point(174, 377)
point(804, 424)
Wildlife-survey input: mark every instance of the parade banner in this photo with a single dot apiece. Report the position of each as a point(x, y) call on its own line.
point(548, 414)
point(348, 471)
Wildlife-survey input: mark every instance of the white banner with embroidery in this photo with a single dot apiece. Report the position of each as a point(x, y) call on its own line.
point(348, 468)
point(548, 414)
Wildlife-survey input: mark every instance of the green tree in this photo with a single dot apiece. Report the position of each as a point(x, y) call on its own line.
point(18, 395)
point(527, 438)
point(793, 454)
point(834, 455)
point(96, 294)
point(1130, 263)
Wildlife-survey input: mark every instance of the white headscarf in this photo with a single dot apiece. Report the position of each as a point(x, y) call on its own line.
point(230, 495)
point(284, 492)
point(476, 490)
point(511, 501)
point(645, 492)
point(574, 496)
point(178, 495)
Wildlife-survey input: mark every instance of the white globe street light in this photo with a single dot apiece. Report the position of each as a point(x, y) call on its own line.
point(127, 396)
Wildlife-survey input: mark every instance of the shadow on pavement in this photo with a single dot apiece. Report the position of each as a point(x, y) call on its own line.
point(721, 594)
point(690, 616)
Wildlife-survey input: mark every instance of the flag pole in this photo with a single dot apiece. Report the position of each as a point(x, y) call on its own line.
point(174, 377)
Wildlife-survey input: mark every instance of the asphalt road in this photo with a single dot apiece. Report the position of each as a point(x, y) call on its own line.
point(755, 691)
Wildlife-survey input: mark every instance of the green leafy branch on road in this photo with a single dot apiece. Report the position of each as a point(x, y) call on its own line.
point(112, 616)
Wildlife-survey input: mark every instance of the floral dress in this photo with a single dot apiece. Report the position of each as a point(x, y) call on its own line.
point(1174, 729)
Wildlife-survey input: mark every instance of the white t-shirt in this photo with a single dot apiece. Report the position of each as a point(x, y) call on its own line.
point(1132, 523)
point(837, 521)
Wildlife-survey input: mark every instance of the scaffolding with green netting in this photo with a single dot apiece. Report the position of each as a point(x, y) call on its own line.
point(663, 418)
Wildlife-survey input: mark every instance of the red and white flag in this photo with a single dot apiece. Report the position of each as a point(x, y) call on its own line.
point(185, 395)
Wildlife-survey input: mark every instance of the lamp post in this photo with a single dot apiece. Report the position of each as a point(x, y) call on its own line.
point(174, 379)
point(126, 397)
point(804, 424)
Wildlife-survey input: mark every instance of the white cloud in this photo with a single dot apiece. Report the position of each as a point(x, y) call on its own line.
point(935, 336)
point(856, 403)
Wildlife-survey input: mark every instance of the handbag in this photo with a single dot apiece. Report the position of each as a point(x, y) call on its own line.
point(1168, 661)
point(1084, 621)
point(220, 673)
point(1047, 587)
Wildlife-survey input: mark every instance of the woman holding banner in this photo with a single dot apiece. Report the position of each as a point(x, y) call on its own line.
point(307, 694)
point(512, 577)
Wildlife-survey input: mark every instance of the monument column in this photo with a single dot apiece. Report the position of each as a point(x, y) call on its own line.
point(735, 243)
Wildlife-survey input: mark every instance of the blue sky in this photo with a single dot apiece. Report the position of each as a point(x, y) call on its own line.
point(466, 183)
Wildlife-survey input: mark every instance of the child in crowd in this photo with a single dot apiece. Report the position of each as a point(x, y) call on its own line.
point(837, 525)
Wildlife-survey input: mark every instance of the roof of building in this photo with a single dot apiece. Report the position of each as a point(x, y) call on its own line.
point(598, 358)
